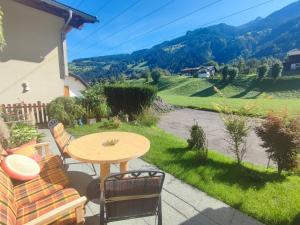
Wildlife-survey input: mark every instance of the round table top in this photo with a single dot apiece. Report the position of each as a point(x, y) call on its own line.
point(109, 147)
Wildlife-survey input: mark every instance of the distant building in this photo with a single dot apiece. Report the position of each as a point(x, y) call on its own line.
point(74, 85)
point(201, 71)
point(293, 60)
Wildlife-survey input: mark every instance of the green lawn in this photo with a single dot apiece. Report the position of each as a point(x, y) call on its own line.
point(266, 95)
point(261, 107)
point(252, 190)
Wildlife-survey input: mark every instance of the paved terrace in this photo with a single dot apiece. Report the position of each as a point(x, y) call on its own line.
point(182, 204)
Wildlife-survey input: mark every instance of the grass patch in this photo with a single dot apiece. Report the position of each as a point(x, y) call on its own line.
point(261, 193)
point(261, 106)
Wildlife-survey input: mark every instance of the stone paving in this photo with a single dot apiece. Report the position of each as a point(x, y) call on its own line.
point(182, 204)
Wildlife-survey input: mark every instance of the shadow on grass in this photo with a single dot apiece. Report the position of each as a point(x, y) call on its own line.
point(252, 85)
point(226, 172)
point(210, 90)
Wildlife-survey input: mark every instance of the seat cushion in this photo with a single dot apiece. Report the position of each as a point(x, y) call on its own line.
point(47, 183)
point(6, 186)
point(20, 167)
point(33, 210)
point(50, 162)
point(8, 211)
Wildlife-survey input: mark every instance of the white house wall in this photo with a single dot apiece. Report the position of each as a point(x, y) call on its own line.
point(75, 86)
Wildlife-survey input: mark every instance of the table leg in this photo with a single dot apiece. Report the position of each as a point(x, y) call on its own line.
point(123, 167)
point(104, 172)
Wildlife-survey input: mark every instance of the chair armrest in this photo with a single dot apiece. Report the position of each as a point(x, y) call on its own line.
point(43, 146)
point(51, 216)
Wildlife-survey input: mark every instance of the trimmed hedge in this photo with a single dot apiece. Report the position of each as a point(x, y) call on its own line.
point(129, 99)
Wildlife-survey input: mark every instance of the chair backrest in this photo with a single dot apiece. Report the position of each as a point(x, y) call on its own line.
point(61, 137)
point(7, 202)
point(132, 194)
point(51, 124)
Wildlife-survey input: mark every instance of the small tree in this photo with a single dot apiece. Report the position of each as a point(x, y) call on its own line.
point(233, 72)
point(237, 128)
point(281, 138)
point(225, 72)
point(276, 69)
point(156, 75)
point(262, 71)
point(198, 140)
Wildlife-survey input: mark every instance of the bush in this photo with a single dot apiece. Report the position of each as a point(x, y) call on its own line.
point(225, 72)
point(198, 140)
point(102, 111)
point(281, 138)
point(262, 71)
point(276, 69)
point(156, 75)
point(91, 100)
point(237, 129)
point(23, 133)
point(113, 123)
point(65, 110)
point(233, 72)
point(147, 118)
point(129, 99)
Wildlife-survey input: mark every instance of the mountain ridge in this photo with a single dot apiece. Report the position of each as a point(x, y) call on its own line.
point(273, 35)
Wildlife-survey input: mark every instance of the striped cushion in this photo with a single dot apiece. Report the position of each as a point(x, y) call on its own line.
point(50, 162)
point(6, 186)
point(7, 210)
point(47, 183)
point(33, 210)
point(62, 138)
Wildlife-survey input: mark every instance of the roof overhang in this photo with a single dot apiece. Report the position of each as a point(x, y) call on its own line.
point(61, 10)
point(79, 78)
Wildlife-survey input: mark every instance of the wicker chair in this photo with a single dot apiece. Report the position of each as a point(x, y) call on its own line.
point(131, 195)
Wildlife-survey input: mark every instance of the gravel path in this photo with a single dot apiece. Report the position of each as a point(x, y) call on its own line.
point(178, 122)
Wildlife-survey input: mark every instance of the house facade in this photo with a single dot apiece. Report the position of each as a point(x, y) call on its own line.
point(201, 71)
point(74, 85)
point(293, 60)
point(33, 64)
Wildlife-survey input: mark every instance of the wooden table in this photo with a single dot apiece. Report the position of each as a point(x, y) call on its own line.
point(106, 148)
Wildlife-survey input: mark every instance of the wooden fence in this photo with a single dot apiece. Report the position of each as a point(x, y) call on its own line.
point(28, 112)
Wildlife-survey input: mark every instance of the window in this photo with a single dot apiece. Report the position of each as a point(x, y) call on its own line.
point(66, 91)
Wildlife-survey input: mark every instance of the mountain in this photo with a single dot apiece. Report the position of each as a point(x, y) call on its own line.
point(273, 36)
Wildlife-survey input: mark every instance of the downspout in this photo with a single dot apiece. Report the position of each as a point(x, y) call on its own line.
point(64, 58)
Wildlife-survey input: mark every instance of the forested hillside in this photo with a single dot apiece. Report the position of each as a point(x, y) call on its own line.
point(272, 36)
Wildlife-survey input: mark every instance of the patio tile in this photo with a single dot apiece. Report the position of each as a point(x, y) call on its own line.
point(182, 203)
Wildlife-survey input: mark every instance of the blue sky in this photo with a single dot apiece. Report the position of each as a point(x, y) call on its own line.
point(131, 31)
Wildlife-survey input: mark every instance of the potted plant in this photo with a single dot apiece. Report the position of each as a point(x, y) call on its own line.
point(91, 118)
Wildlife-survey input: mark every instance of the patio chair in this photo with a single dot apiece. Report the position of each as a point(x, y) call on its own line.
point(131, 195)
point(62, 139)
point(51, 124)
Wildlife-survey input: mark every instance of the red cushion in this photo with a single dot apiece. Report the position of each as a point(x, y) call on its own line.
point(20, 167)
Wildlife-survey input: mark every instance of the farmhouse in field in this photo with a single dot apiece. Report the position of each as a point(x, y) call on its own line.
point(293, 60)
point(201, 71)
point(34, 64)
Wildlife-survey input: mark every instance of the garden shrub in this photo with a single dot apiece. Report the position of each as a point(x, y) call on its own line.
point(281, 138)
point(112, 123)
point(197, 140)
point(147, 118)
point(262, 71)
point(65, 110)
point(22, 133)
point(91, 100)
point(129, 99)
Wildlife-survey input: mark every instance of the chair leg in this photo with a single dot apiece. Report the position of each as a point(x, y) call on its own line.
point(159, 213)
point(95, 172)
point(102, 219)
